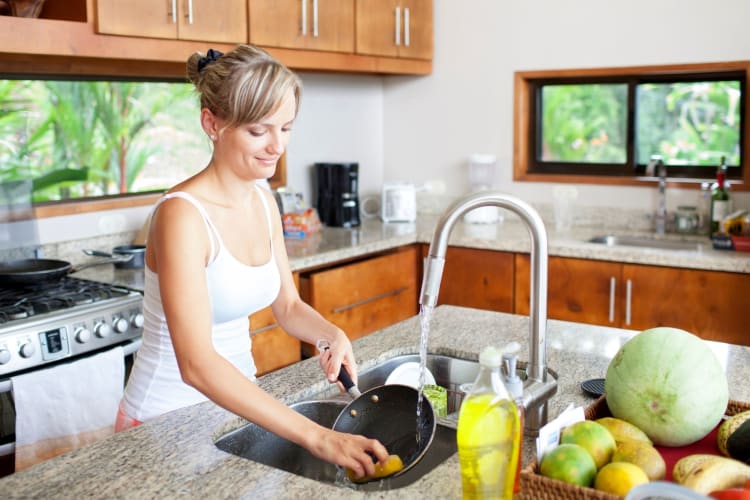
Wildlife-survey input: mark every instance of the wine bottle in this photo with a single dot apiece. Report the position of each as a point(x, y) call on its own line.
point(719, 198)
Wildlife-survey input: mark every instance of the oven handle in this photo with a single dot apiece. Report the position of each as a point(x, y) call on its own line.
point(127, 349)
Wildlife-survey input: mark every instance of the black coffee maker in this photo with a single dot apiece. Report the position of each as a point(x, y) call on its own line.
point(336, 199)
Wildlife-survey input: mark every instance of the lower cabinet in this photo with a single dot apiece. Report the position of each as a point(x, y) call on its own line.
point(710, 304)
point(364, 296)
point(272, 347)
point(482, 279)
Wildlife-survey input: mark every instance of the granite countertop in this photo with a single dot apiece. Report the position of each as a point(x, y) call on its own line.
point(174, 455)
point(338, 244)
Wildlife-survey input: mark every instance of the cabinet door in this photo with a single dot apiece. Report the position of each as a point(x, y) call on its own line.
point(580, 290)
point(137, 18)
point(272, 347)
point(213, 21)
point(365, 296)
point(482, 279)
point(711, 304)
point(294, 24)
point(395, 28)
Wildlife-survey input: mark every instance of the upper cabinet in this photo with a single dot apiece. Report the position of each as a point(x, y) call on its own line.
point(222, 21)
point(302, 24)
point(394, 28)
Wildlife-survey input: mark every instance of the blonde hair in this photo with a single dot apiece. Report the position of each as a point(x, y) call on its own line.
point(242, 86)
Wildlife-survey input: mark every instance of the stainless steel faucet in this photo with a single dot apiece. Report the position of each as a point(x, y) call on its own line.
point(656, 166)
point(539, 385)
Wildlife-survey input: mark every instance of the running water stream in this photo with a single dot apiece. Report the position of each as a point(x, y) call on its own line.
point(425, 314)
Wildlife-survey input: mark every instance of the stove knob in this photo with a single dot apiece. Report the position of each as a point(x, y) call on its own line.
point(137, 320)
point(27, 350)
point(102, 330)
point(4, 355)
point(82, 335)
point(120, 325)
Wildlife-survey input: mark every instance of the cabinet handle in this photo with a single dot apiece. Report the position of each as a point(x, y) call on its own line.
point(190, 12)
point(628, 296)
point(304, 16)
point(173, 11)
point(264, 328)
point(406, 26)
point(398, 25)
point(315, 18)
point(369, 299)
point(612, 287)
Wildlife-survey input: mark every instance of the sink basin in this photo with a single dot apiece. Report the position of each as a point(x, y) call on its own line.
point(647, 242)
point(255, 443)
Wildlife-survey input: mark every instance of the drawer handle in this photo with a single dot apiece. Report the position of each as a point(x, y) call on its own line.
point(264, 328)
point(369, 299)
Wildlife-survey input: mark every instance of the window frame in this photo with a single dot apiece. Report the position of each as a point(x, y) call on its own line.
point(527, 169)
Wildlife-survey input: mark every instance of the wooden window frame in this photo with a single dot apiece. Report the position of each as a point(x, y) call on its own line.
point(525, 83)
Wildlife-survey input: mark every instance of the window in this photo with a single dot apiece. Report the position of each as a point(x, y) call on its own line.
point(75, 139)
point(604, 125)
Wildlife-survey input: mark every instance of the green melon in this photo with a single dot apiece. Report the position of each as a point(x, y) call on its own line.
point(668, 383)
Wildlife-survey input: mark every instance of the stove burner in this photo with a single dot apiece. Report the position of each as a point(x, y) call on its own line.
point(23, 302)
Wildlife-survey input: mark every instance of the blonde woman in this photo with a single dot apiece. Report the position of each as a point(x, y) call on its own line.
point(216, 254)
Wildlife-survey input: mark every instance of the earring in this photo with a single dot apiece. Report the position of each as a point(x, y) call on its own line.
point(213, 137)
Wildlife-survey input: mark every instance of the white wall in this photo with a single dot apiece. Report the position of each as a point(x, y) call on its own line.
point(466, 105)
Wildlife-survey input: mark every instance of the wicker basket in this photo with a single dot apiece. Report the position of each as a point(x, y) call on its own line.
point(537, 487)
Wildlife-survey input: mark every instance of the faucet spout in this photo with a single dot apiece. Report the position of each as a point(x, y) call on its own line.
point(539, 386)
point(656, 166)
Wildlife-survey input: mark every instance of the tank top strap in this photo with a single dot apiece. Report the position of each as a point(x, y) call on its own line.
point(213, 233)
point(268, 214)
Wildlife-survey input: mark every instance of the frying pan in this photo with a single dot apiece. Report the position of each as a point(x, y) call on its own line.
point(124, 256)
point(33, 271)
point(388, 413)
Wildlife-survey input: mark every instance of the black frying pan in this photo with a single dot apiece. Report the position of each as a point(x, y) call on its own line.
point(32, 271)
point(388, 413)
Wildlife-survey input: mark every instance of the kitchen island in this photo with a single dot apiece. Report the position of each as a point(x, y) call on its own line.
point(174, 456)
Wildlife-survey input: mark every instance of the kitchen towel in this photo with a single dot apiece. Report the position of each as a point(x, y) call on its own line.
point(67, 406)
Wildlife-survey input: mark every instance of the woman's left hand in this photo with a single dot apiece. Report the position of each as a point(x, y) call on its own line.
point(338, 354)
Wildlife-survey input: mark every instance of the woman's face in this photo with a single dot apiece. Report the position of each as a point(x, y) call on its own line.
point(252, 150)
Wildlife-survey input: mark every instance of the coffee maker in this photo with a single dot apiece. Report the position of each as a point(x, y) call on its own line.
point(336, 199)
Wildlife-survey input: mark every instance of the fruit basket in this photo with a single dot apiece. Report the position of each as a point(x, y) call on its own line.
point(537, 487)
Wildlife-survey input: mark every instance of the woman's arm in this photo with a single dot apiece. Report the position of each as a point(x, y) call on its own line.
point(181, 246)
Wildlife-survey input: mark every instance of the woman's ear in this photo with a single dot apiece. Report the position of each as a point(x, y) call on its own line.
point(209, 124)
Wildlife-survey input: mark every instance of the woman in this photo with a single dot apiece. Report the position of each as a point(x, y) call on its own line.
point(216, 254)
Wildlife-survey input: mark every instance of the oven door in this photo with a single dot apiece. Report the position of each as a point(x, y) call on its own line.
point(8, 415)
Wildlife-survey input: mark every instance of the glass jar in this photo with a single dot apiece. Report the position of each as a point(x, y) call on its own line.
point(686, 219)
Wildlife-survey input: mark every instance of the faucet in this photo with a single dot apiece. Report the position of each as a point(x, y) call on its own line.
point(656, 166)
point(539, 385)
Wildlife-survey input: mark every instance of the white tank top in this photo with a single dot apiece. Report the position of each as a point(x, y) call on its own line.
point(235, 290)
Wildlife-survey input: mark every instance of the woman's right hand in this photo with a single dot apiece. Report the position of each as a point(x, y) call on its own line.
point(352, 451)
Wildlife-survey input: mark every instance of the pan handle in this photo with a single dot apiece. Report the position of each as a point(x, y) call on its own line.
point(344, 376)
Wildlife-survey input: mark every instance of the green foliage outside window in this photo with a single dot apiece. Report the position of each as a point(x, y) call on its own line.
point(76, 139)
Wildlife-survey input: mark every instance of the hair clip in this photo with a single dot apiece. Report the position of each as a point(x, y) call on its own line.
point(211, 56)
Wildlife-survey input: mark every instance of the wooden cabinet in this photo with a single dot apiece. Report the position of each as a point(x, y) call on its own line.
point(710, 304)
point(395, 28)
point(364, 296)
point(302, 24)
point(482, 279)
point(272, 347)
point(203, 20)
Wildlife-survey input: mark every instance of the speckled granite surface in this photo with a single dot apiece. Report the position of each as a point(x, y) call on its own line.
point(174, 456)
point(337, 244)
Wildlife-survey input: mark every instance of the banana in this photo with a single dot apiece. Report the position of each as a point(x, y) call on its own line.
point(685, 465)
point(717, 473)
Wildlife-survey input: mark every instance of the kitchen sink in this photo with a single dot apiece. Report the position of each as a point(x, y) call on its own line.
point(648, 242)
point(255, 443)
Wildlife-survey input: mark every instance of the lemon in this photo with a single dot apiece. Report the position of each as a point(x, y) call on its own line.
point(597, 440)
point(570, 463)
point(622, 430)
point(390, 467)
point(619, 478)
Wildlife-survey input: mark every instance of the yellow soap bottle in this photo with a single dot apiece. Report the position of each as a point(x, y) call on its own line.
point(488, 434)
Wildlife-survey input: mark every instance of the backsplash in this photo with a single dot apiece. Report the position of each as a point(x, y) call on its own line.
point(71, 251)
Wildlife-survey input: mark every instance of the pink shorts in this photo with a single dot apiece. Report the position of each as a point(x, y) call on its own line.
point(124, 421)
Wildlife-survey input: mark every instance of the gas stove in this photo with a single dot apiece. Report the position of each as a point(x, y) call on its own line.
point(47, 322)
